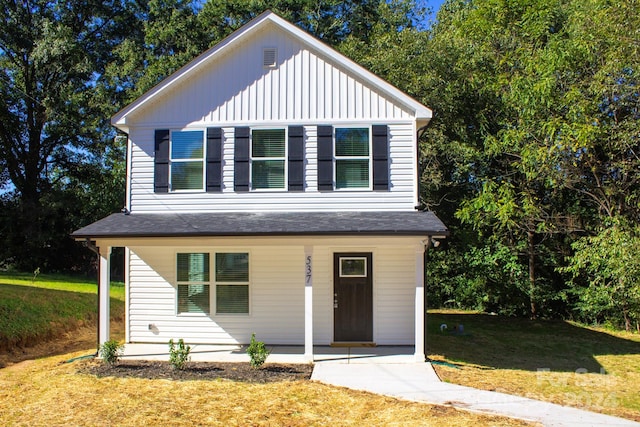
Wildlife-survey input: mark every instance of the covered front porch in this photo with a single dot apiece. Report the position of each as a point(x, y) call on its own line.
point(306, 271)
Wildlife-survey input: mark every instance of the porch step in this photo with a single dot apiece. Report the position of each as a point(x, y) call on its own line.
point(353, 344)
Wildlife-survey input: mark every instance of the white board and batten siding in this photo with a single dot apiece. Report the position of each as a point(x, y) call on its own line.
point(276, 296)
point(305, 86)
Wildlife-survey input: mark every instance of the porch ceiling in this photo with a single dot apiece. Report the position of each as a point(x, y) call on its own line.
point(411, 223)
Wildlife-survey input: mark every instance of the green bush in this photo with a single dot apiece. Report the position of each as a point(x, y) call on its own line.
point(179, 354)
point(257, 352)
point(111, 351)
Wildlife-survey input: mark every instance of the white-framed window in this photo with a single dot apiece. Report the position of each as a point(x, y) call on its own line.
point(268, 159)
point(192, 271)
point(352, 153)
point(232, 282)
point(187, 160)
point(353, 267)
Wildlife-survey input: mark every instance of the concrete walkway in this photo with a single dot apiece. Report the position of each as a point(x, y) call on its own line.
point(419, 382)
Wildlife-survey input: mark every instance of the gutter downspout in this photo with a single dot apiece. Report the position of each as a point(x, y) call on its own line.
point(419, 132)
point(425, 258)
point(89, 244)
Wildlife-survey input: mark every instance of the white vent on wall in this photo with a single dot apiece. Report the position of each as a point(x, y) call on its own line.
point(269, 55)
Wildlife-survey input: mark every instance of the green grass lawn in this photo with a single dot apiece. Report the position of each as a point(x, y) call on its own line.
point(47, 306)
point(557, 361)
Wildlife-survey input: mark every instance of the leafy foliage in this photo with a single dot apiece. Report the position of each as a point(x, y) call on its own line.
point(609, 264)
point(257, 352)
point(179, 354)
point(534, 143)
point(110, 351)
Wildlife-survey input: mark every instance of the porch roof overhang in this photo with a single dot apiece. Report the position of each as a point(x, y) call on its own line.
point(406, 223)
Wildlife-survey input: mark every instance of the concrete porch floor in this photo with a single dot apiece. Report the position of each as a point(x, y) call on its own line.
point(279, 354)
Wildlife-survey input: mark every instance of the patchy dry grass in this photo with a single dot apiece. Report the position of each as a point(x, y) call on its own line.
point(45, 392)
point(49, 314)
point(559, 362)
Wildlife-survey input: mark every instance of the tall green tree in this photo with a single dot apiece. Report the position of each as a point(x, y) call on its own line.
point(609, 264)
point(540, 113)
point(52, 54)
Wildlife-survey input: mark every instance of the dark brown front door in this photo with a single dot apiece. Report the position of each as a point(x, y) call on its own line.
point(352, 297)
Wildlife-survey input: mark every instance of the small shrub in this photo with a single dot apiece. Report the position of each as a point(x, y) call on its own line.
point(111, 351)
point(257, 352)
point(178, 354)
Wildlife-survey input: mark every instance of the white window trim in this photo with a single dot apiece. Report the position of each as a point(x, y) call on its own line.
point(336, 158)
point(345, 258)
point(203, 160)
point(213, 291)
point(285, 158)
point(188, 314)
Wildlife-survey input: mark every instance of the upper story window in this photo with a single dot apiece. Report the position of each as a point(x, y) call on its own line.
point(268, 159)
point(187, 160)
point(352, 158)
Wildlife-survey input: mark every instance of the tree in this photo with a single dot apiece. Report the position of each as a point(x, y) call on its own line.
point(52, 56)
point(609, 264)
point(538, 126)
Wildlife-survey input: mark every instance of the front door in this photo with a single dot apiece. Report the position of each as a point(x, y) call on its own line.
point(352, 297)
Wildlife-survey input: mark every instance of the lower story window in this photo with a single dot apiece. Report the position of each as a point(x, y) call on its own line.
point(193, 287)
point(232, 283)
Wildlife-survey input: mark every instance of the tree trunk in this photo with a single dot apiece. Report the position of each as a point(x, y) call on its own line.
point(532, 273)
point(627, 320)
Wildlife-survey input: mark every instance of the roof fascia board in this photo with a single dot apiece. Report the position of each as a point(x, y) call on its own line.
point(119, 120)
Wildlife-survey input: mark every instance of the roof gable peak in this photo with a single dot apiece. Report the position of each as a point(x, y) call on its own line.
point(266, 18)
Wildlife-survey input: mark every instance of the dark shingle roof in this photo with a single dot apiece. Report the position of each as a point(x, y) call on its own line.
point(410, 223)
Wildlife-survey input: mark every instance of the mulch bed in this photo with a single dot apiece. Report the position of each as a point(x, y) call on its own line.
point(269, 372)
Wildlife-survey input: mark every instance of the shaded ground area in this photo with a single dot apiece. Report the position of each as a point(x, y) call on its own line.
point(77, 340)
point(497, 342)
point(554, 361)
point(199, 371)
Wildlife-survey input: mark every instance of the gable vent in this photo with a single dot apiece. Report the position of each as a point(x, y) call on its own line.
point(269, 57)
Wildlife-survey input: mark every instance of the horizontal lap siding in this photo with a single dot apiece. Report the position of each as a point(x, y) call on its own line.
point(401, 196)
point(322, 296)
point(276, 299)
point(394, 293)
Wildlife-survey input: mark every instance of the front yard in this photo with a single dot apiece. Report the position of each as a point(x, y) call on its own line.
point(561, 362)
point(51, 392)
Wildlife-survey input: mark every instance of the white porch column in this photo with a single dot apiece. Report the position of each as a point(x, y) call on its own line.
point(420, 308)
point(308, 303)
point(104, 282)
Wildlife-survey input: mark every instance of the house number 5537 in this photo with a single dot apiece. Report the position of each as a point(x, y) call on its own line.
point(308, 270)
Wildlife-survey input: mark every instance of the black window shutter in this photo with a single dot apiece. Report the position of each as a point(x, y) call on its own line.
point(214, 159)
point(380, 157)
point(325, 158)
point(241, 159)
point(296, 158)
point(161, 162)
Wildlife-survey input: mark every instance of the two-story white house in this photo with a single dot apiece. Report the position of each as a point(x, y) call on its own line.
point(271, 189)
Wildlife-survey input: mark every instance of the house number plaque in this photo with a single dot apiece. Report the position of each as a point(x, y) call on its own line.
point(308, 270)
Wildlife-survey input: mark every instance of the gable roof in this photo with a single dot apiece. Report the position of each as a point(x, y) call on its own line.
point(421, 112)
point(409, 223)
